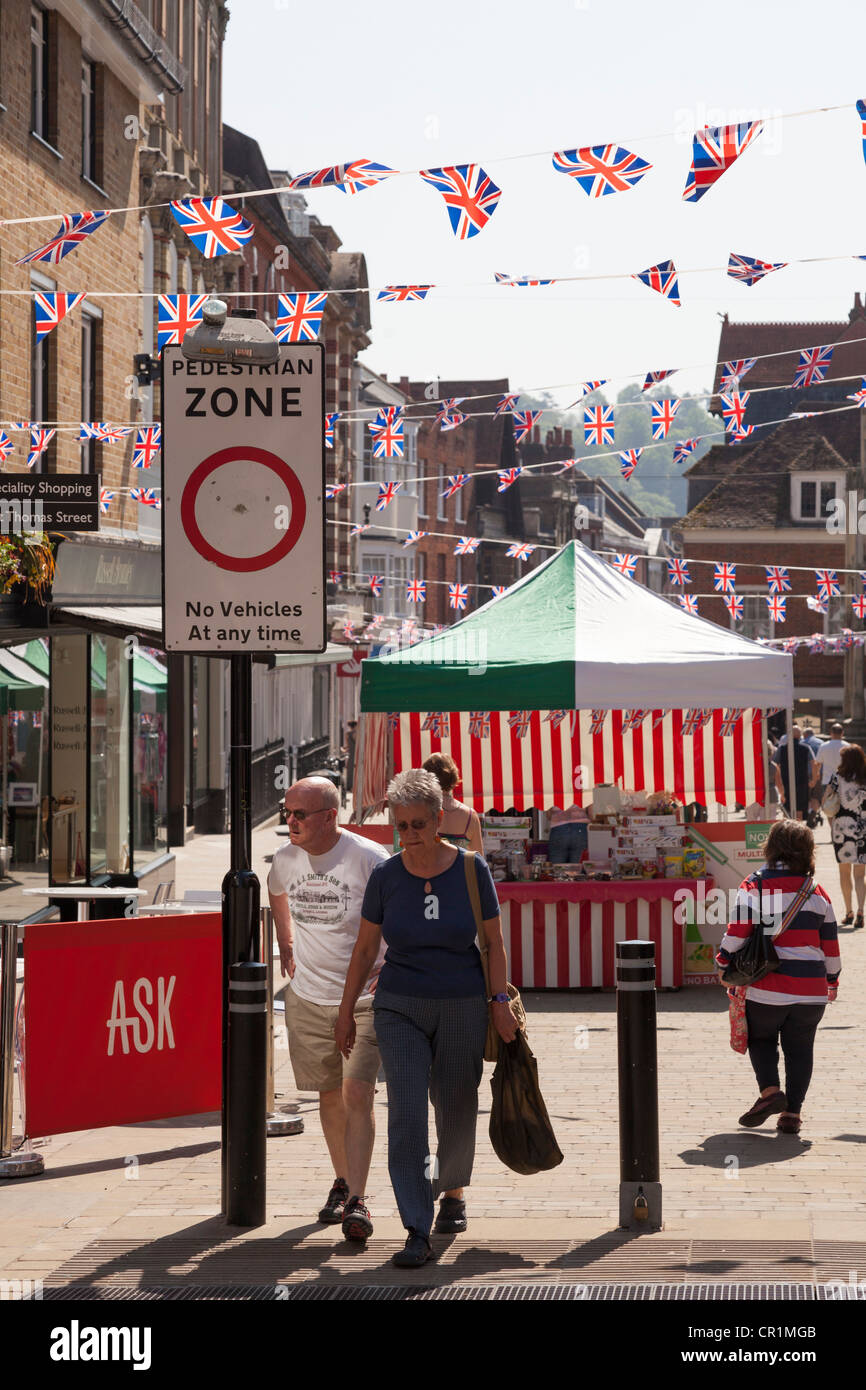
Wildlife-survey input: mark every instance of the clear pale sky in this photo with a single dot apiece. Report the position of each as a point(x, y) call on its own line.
point(419, 85)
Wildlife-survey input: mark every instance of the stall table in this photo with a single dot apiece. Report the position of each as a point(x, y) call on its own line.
point(562, 935)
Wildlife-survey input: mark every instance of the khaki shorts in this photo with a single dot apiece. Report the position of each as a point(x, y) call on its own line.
point(316, 1061)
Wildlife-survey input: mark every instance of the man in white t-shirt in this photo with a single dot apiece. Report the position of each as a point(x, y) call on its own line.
point(827, 759)
point(316, 887)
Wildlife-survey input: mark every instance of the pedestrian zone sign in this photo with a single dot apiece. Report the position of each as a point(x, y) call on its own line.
point(243, 511)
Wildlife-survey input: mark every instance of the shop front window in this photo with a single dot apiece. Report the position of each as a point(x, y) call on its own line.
point(149, 771)
point(109, 755)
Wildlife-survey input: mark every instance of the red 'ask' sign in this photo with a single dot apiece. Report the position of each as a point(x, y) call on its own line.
point(123, 1020)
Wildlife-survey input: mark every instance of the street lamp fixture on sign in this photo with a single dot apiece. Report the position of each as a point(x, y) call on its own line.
point(225, 338)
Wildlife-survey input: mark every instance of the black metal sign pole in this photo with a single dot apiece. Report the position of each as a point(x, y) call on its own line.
point(240, 911)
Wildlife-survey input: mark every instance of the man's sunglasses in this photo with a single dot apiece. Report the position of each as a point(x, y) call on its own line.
point(302, 815)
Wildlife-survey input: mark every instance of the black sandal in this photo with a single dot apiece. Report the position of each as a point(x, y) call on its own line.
point(858, 920)
point(847, 919)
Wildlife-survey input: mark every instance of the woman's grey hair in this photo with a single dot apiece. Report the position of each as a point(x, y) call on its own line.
point(408, 788)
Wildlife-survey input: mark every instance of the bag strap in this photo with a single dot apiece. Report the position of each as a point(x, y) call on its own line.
point(475, 899)
point(805, 892)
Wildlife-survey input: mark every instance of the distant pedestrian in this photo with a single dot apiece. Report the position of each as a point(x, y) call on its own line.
point(803, 759)
point(788, 1003)
point(430, 1008)
point(460, 824)
point(316, 887)
point(349, 745)
point(827, 760)
point(848, 783)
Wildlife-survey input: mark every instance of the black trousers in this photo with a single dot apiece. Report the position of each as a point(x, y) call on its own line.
point(794, 1025)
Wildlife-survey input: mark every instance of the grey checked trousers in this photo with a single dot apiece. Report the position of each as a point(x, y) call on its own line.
point(433, 1046)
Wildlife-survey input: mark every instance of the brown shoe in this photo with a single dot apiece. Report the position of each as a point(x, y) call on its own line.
point(788, 1124)
point(764, 1107)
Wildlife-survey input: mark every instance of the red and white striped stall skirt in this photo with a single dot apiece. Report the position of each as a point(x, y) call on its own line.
point(563, 935)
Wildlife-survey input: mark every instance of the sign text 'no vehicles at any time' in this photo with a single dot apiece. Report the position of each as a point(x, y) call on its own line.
point(243, 503)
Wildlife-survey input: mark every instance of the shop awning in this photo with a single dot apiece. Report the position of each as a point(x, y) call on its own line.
point(576, 634)
point(115, 619)
point(332, 653)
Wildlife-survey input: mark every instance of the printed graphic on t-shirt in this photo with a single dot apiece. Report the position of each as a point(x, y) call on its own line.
point(318, 899)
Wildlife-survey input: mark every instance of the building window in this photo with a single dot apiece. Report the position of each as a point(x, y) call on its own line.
point(812, 496)
point(90, 405)
point(755, 621)
point(458, 504)
point(40, 89)
point(89, 122)
point(422, 489)
point(369, 465)
point(441, 502)
point(410, 461)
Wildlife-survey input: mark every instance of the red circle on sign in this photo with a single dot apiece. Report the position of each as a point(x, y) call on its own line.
point(242, 564)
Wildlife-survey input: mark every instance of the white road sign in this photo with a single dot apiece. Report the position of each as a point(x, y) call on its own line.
point(243, 503)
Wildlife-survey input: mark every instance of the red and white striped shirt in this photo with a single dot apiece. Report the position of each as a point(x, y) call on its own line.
point(808, 950)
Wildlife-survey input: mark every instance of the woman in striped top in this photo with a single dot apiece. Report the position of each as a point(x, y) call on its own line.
point(788, 1003)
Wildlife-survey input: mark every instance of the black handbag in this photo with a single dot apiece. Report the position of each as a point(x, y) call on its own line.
point(759, 955)
point(520, 1129)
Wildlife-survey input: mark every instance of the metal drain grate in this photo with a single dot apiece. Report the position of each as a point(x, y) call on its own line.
point(388, 1293)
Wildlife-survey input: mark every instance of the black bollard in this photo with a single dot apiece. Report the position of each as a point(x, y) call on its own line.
point(640, 1191)
point(246, 1098)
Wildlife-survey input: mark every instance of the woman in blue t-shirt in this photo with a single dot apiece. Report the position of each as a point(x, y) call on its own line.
point(430, 1007)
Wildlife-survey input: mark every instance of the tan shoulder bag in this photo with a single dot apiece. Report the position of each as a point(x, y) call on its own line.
point(491, 1047)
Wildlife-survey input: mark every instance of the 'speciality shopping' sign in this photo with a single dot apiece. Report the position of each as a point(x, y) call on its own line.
point(243, 503)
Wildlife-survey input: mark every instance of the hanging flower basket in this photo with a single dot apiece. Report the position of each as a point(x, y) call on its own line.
point(26, 575)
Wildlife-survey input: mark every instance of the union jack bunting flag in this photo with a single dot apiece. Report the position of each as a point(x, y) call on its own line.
point(602, 169)
point(750, 270)
point(479, 724)
point(861, 112)
point(734, 604)
point(556, 717)
point(359, 528)
point(447, 406)
point(388, 440)
point(111, 434)
point(652, 378)
point(386, 415)
point(860, 395)
point(330, 422)
point(148, 496)
point(376, 582)
point(724, 577)
point(827, 582)
point(497, 590)
point(471, 197)
point(415, 536)
point(387, 493)
point(816, 646)
point(348, 628)
point(596, 720)
point(401, 294)
point(106, 498)
point(458, 595)
point(736, 436)
point(816, 605)
point(632, 719)
point(335, 576)
point(732, 372)
point(467, 545)
point(696, 719)
point(791, 645)
point(6, 446)
point(518, 720)
point(176, 313)
point(506, 404)
point(39, 441)
point(858, 603)
point(689, 603)
point(86, 432)
point(714, 150)
point(352, 177)
point(734, 410)
point(683, 448)
point(508, 476)
point(663, 279)
point(450, 422)
point(598, 424)
point(662, 416)
point(393, 723)
point(333, 490)
point(502, 279)
point(416, 590)
point(678, 572)
point(626, 564)
point(566, 465)
point(587, 389)
point(455, 483)
point(524, 421)
point(776, 605)
point(148, 442)
point(51, 309)
point(628, 461)
point(299, 317)
point(777, 579)
point(212, 226)
point(437, 723)
point(519, 551)
point(73, 229)
point(25, 425)
point(812, 365)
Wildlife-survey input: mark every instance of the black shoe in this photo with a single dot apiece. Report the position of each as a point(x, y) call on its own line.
point(356, 1220)
point(763, 1108)
point(416, 1252)
point(452, 1216)
point(332, 1211)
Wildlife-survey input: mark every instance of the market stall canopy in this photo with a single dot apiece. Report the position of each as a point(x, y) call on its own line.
point(22, 686)
point(577, 634)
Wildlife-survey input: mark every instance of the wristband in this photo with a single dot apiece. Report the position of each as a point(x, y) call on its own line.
point(498, 999)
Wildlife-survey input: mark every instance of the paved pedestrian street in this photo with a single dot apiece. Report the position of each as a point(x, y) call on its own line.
point(138, 1206)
